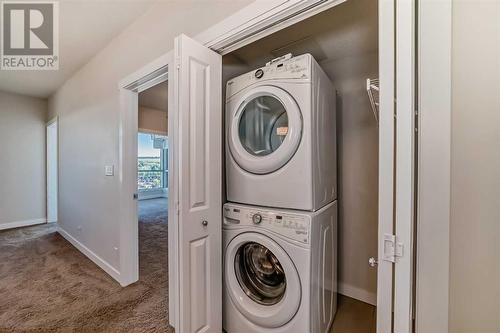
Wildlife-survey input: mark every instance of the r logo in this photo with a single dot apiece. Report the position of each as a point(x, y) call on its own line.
point(29, 34)
point(28, 29)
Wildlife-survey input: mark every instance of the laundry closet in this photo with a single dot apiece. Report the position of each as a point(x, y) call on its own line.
point(343, 40)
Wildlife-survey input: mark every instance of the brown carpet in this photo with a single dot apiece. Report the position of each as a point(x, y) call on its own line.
point(46, 285)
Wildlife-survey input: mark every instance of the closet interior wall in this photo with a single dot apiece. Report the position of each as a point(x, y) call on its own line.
point(344, 41)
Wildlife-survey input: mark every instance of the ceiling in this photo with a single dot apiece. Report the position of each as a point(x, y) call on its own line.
point(85, 27)
point(155, 97)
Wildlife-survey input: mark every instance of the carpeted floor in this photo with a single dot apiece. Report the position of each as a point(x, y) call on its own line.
point(46, 285)
point(153, 210)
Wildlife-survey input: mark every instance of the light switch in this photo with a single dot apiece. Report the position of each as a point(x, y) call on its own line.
point(109, 170)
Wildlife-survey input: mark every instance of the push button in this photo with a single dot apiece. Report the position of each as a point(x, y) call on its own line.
point(259, 73)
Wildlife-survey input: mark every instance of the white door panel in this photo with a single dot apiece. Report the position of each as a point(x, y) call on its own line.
point(198, 103)
point(386, 163)
point(405, 164)
point(396, 166)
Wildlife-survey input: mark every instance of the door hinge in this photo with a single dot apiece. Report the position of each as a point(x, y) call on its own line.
point(392, 248)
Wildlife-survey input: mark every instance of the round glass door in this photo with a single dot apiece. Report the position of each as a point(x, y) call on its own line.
point(261, 280)
point(263, 125)
point(260, 273)
point(265, 129)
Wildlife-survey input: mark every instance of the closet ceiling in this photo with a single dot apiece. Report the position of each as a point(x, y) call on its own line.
point(155, 97)
point(347, 30)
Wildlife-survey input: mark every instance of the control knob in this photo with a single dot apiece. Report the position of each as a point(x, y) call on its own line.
point(257, 218)
point(259, 73)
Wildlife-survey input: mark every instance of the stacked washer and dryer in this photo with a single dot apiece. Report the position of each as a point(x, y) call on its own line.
point(280, 224)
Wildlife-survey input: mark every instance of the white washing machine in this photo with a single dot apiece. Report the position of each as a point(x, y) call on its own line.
point(281, 136)
point(280, 271)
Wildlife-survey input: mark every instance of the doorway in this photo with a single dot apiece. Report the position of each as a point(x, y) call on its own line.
point(152, 155)
point(52, 170)
point(152, 189)
point(152, 174)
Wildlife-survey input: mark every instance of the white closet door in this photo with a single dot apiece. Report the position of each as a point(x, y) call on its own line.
point(405, 164)
point(396, 166)
point(197, 84)
point(386, 165)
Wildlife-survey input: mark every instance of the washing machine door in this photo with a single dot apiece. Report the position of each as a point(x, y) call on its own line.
point(265, 129)
point(262, 280)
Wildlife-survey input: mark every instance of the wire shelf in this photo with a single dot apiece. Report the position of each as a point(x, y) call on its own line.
point(373, 89)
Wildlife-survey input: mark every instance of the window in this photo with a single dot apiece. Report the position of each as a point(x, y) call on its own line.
point(152, 163)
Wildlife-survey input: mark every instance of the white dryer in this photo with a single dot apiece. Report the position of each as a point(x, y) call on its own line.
point(281, 136)
point(280, 271)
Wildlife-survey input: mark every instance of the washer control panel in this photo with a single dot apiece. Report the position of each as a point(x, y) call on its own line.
point(291, 225)
point(281, 68)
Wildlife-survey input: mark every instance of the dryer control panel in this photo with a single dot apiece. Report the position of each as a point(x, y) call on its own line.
point(291, 225)
point(283, 68)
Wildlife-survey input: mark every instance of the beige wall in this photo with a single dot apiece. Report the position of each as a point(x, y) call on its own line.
point(475, 168)
point(22, 158)
point(88, 106)
point(153, 120)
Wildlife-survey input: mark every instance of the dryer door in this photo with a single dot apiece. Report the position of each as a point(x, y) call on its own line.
point(265, 130)
point(262, 280)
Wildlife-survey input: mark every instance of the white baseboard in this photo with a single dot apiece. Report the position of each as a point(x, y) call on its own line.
point(358, 293)
point(25, 223)
point(113, 272)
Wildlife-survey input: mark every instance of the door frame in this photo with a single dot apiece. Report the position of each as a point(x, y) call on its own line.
point(49, 123)
point(259, 19)
point(130, 87)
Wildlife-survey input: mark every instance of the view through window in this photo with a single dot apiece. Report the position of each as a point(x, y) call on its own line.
point(151, 162)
